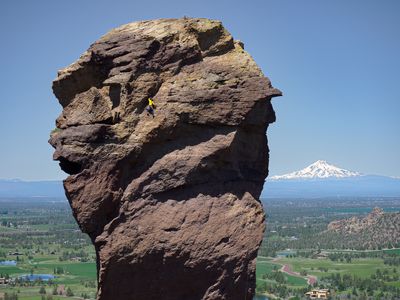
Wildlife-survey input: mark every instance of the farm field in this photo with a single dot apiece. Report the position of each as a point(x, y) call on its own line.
point(40, 239)
point(359, 267)
point(80, 277)
point(322, 269)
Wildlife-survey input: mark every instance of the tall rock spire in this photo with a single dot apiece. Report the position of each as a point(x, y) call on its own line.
point(171, 203)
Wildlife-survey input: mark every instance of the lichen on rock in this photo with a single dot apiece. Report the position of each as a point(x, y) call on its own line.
point(171, 203)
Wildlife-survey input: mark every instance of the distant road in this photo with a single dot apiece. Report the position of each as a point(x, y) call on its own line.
point(311, 279)
point(288, 270)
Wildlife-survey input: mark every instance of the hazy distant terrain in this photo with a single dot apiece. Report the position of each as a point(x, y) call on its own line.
point(318, 180)
point(19, 188)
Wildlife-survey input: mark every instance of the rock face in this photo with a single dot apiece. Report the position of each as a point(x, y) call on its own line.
point(171, 203)
point(376, 230)
point(357, 224)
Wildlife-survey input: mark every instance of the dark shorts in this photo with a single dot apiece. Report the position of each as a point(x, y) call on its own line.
point(150, 110)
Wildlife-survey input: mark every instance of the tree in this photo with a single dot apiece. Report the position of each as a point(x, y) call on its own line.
point(69, 292)
point(354, 292)
point(55, 290)
point(42, 290)
point(12, 296)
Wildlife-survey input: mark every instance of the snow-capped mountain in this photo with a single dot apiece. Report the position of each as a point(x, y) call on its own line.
point(319, 169)
point(322, 179)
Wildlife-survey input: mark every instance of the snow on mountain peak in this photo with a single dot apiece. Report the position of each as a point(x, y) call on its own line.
point(319, 169)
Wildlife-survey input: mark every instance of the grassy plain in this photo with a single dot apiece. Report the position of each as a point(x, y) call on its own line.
point(363, 268)
point(266, 266)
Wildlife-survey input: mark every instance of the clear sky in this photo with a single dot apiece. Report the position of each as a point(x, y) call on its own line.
point(337, 63)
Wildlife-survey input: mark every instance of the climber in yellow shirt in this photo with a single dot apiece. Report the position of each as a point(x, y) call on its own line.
point(151, 107)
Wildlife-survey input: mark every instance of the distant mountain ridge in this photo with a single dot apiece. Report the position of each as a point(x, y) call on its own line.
point(39, 189)
point(319, 179)
point(322, 179)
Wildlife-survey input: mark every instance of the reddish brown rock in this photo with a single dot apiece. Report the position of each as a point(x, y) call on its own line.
point(171, 203)
point(376, 230)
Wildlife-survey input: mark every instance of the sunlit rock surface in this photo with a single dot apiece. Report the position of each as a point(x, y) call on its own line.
point(171, 203)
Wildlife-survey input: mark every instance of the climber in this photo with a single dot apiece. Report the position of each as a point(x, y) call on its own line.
point(151, 107)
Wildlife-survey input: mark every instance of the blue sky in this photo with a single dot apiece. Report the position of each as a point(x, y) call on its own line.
point(337, 63)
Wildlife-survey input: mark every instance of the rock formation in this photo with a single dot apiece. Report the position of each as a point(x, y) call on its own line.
point(171, 203)
point(357, 224)
point(376, 230)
